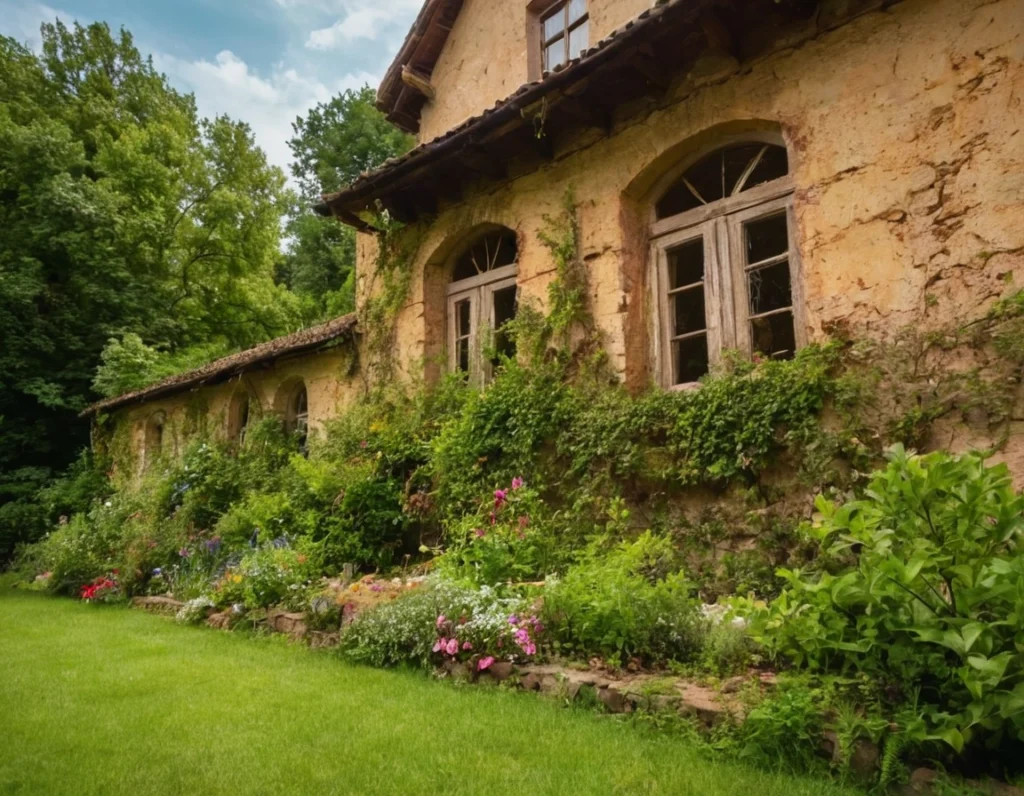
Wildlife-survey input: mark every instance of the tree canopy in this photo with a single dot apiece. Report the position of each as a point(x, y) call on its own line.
point(133, 225)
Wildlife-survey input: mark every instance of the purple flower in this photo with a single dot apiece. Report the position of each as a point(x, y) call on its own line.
point(158, 572)
point(517, 483)
point(184, 553)
point(513, 620)
point(213, 545)
point(480, 533)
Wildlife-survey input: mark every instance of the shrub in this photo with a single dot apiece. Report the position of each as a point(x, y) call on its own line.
point(628, 602)
point(923, 586)
point(407, 630)
point(275, 574)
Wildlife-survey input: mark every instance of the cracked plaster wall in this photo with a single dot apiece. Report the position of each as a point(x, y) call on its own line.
point(905, 129)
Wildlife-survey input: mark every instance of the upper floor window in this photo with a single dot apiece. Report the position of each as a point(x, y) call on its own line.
point(565, 32)
point(482, 298)
point(723, 261)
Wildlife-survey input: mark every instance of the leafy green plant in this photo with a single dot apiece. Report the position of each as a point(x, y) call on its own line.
point(924, 586)
point(629, 601)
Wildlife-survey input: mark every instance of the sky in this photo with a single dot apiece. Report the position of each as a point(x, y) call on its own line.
point(264, 62)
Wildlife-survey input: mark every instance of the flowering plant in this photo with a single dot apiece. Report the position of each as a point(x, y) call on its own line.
point(507, 539)
point(102, 590)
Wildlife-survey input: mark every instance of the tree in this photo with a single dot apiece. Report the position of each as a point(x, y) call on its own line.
point(335, 143)
point(123, 212)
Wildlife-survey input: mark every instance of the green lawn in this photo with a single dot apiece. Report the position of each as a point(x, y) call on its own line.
point(98, 700)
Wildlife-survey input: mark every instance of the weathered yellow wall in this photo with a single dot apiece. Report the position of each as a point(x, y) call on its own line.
point(485, 57)
point(906, 137)
point(331, 385)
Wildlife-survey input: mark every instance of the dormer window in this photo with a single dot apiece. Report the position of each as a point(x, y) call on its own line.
point(565, 31)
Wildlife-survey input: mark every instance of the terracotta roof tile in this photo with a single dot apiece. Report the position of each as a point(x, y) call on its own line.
point(312, 339)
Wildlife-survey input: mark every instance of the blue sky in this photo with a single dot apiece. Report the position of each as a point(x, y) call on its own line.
point(262, 61)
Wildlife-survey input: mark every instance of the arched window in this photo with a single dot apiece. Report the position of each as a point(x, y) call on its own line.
point(154, 438)
point(482, 298)
point(723, 261)
point(297, 414)
point(238, 417)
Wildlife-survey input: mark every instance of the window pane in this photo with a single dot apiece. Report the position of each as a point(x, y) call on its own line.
point(688, 313)
point(463, 324)
point(774, 164)
point(578, 40)
point(577, 8)
point(766, 238)
point(774, 336)
point(554, 55)
point(736, 161)
point(689, 359)
point(554, 24)
point(505, 306)
point(462, 355)
point(770, 288)
point(686, 264)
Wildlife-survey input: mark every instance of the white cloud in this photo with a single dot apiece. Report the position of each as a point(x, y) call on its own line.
point(361, 19)
point(22, 21)
point(227, 85)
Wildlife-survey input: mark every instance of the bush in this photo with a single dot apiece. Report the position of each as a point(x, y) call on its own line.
point(631, 601)
point(922, 588)
point(407, 630)
point(275, 575)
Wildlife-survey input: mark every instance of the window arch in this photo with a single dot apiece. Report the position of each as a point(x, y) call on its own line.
point(153, 441)
point(482, 298)
point(291, 403)
point(239, 414)
point(723, 262)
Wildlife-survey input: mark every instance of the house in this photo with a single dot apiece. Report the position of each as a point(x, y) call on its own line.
point(747, 174)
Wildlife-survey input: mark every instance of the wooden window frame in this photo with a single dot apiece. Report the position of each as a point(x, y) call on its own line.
point(540, 11)
point(479, 291)
point(721, 225)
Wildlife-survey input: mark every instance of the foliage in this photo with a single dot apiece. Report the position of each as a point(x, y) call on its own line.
point(123, 213)
point(921, 585)
point(333, 144)
point(275, 574)
point(625, 602)
point(407, 630)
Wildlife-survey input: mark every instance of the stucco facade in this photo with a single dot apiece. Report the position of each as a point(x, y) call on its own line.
point(221, 411)
point(904, 130)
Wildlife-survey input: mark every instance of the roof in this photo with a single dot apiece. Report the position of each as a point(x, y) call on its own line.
point(634, 40)
point(308, 340)
point(419, 52)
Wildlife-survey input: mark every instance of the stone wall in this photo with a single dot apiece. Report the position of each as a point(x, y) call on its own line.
point(331, 379)
point(906, 141)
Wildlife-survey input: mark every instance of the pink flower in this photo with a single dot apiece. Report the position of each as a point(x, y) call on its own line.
point(364, 444)
point(467, 646)
point(440, 644)
point(513, 620)
point(484, 664)
point(480, 533)
point(376, 587)
point(499, 498)
point(517, 483)
point(453, 646)
point(494, 518)
point(441, 620)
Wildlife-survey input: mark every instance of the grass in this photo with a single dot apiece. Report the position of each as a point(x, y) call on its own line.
point(107, 700)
